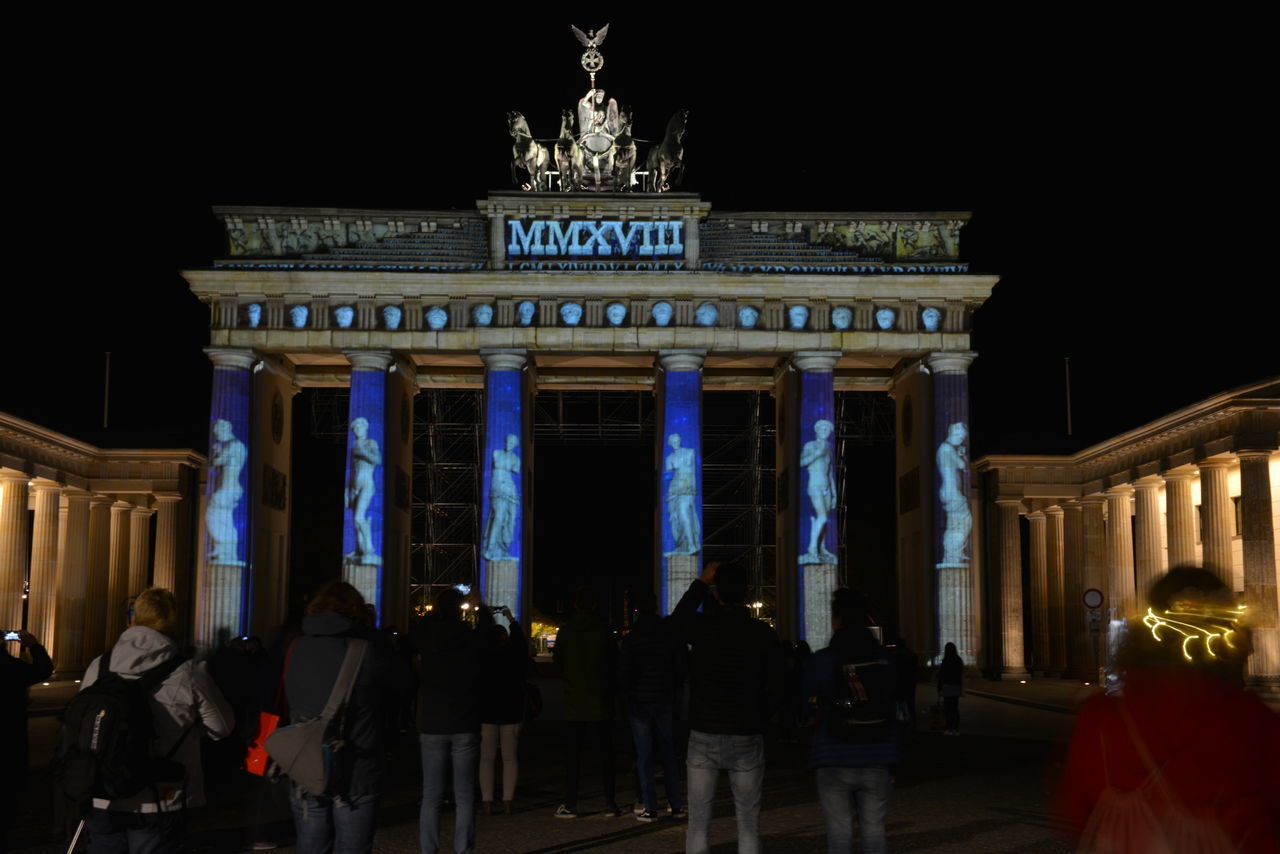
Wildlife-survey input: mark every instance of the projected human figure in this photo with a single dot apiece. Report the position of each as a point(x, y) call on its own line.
point(226, 458)
point(365, 457)
point(504, 502)
point(686, 530)
point(817, 456)
point(952, 465)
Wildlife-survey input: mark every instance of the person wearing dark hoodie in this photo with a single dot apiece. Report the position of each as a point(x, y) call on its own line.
point(184, 707)
point(650, 669)
point(334, 617)
point(506, 668)
point(851, 774)
point(450, 657)
point(16, 675)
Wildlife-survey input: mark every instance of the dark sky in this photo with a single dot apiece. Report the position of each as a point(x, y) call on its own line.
point(1094, 161)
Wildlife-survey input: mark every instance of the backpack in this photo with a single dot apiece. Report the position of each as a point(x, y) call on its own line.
point(861, 710)
point(313, 752)
point(104, 750)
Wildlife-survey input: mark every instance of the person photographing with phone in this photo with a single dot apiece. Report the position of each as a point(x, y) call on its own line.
point(16, 675)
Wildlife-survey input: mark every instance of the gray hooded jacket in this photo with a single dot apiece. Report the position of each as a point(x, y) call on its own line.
point(187, 697)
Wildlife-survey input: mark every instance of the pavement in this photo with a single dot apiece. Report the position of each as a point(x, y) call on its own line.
point(988, 790)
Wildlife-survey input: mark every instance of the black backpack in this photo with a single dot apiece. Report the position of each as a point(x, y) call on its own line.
point(104, 750)
point(862, 705)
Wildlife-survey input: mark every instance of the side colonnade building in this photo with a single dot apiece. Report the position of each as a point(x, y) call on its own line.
point(537, 291)
point(85, 529)
point(1200, 486)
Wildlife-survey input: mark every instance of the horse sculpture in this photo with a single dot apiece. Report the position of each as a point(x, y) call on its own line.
point(665, 163)
point(568, 154)
point(527, 153)
point(624, 159)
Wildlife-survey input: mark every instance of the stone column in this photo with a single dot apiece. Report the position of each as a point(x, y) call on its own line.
point(139, 550)
point(502, 504)
point(118, 573)
point(1075, 625)
point(165, 573)
point(953, 517)
point(43, 589)
point(817, 564)
point(222, 611)
point(1037, 529)
point(1218, 517)
point(1054, 540)
point(364, 494)
point(1012, 642)
point(679, 454)
point(1120, 551)
point(1180, 516)
point(1148, 557)
point(73, 581)
point(1095, 575)
point(96, 589)
point(13, 545)
point(1258, 534)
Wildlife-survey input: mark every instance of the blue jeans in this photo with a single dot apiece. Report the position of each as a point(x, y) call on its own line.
point(743, 757)
point(116, 832)
point(330, 824)
point(650, 722)
point(464, 749)
point(838, 788)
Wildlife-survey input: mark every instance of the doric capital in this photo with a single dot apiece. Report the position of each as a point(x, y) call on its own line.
point(815, 361)
point(1180, 474)
point(1036, 516)
point(368, 360)
point(1151, 481)
point(1096, 498)
point(119, 507)
point(504, 360)
point(139, 510)
point(1014, 503)
point(74, 495)
point(681, 360)
point(228, 357)
point(167, 497)
point(950, 363)
point(1120, 490)
point(1055, 510)
point(1254, 454)
point(1215, 463)
point(41, 485)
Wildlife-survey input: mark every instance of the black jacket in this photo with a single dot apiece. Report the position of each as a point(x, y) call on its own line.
point(502, 679)
point(735, 667)
point(450, 658)
point(651, 662)
point(312, 669)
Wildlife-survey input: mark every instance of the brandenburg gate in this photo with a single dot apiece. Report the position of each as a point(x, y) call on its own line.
point(544, 289)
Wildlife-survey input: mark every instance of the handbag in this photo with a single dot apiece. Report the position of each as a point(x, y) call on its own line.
point(312, 753)
point(256, 759)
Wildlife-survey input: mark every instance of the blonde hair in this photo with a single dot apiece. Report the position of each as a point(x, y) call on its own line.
point(156, 608)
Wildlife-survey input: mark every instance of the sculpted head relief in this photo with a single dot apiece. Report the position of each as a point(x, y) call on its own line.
point(571, 313)
point(616, 312)
point(930, 316)
point(748, 316)
point(437, 317)
point(841, 317)
point(298, 316)
point(798, 316)
point(707, 314)
point(661, 313)
point(343, 315)
point(391, 316)
point(482, 314)
point(524, 312)
point(885, 318)
point(253, 312)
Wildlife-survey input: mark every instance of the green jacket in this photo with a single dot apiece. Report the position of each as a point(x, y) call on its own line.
point(585, 651)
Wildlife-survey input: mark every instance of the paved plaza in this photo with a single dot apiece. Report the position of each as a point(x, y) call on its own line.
point(987, 790)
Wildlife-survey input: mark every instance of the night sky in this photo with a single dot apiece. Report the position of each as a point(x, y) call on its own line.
point(1092, 171)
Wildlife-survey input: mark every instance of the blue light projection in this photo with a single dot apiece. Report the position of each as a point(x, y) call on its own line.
point(226, 512)
point(952, 518)
point(363, 497)
point(502, 496)
point(681, 471)
point(816, 540)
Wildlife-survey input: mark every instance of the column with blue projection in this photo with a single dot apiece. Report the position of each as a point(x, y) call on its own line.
point(225, 585)
point(680, 480)
point(952, 515)
point(365, 484)
point(502, 505)
point(817, 564)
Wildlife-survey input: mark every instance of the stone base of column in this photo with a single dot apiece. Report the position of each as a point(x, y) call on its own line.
point(1021, 672)
point(502, 584)
point(681, 571)
point(363, 577)
point(1264, 663)
point(954, 620)
point(818, 582)
point(221, 603)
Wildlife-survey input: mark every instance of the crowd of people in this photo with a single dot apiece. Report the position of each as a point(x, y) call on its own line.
point(698, 689)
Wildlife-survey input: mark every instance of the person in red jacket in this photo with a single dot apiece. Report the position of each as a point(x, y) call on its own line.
point(1181, 758)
